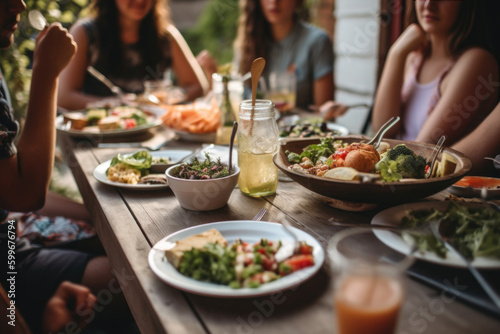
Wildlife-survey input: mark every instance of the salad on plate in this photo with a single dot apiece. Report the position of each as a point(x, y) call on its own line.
point(208, 257)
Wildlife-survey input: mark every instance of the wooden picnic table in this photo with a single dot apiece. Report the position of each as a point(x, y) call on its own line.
point(130, 222)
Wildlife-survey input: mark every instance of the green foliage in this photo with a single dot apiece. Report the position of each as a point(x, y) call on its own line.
point(216, 30)
point(16, 60)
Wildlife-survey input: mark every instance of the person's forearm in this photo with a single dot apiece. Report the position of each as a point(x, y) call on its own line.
point(192, 91)
point(36, 145)
point(484, 141)
point(74, 100)
point(388, 97)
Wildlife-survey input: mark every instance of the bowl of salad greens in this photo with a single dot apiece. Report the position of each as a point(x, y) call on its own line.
point(202, 185)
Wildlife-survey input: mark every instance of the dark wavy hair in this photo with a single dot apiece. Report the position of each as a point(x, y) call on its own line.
point(153, 35)
point(254, 33)
point(468, 31)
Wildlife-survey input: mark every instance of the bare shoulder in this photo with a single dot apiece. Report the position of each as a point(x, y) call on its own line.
point(478, 59)
point(78, 32)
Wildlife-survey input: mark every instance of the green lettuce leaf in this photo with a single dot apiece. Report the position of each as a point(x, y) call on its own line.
point(140, 160)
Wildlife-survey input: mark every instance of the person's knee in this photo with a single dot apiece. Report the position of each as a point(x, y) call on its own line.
point(97, 274)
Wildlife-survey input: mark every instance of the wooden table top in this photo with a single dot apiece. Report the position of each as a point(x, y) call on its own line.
point(129, 222)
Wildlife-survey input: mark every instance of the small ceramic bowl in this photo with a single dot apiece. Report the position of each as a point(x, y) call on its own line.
point(202, 195)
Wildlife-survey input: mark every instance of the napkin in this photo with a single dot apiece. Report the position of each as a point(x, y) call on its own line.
point(458, 283)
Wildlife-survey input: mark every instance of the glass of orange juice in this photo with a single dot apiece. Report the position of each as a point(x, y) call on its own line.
point(368, 283)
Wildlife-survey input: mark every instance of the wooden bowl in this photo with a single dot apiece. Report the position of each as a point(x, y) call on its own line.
point(372, 192)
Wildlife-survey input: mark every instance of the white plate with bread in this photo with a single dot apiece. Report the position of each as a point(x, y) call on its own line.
point(107, 122)
point(248, 231)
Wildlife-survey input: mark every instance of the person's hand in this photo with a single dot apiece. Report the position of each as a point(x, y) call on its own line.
point(54, 49)
point(207, 63)
point(412, 39)
point(331, 110)
point(69, 301)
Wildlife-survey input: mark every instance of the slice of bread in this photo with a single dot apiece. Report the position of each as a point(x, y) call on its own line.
point(446, 166)
point(197, 241)
point(109, 123)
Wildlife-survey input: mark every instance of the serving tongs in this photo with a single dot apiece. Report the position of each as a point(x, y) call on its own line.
point(440, 232)
point(375, 141)
point(437, 149)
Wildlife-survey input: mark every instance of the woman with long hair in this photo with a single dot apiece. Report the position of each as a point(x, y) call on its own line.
point(130, 42)
point(272, 29)
point(439, 75)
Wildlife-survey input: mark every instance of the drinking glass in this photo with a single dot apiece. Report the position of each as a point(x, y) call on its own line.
point(158, 88)
point(282, 90)
point(235, 87)
point(369, 285)
point(257, 143)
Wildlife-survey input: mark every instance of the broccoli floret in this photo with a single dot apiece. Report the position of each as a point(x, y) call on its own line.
point(411, 166)
point(399, 150)
point(401, 162)
point(389, 170)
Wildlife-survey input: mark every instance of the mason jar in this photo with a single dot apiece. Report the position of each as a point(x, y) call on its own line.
point(258, 141)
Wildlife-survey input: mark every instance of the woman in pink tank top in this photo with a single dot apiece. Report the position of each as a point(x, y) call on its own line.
point(438, 76)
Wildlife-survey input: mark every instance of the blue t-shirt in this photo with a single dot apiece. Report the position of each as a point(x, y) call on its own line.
point(310, 51)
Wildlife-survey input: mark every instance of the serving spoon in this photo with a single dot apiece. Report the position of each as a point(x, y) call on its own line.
point(287, 249)
point(231, 143)
point(375, 141)
point(256, 71)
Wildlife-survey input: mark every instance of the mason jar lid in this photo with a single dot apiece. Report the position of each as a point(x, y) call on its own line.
point(262, 108)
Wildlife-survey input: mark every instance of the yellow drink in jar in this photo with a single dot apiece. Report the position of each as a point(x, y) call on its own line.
point(258, 174)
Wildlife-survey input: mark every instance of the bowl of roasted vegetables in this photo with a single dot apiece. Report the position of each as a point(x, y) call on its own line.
point(348, 169)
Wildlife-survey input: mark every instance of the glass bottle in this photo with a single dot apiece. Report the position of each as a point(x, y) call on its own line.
point(227, 115)
point(258, 141)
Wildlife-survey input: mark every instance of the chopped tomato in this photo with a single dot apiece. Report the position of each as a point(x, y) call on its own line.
point(341, 154)
point(268, 263)
point(427, 169)
point(305, 249)
point(261, 250)
point(130, 123)
point(295, 263)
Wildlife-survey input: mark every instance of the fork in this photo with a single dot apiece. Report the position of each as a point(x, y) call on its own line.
point(484, 199)
point(260, 215)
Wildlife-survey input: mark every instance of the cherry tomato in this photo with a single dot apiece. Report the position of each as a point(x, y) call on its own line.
point(130, 123)
point(341, 154)
point(295, 263)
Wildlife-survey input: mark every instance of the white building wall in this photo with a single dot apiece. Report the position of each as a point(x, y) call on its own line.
point(356, 57)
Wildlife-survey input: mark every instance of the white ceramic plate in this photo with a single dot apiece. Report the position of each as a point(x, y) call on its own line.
point(154, 121)
point(173, 155)
point(249, 231)
point(294, 119)
point(393, 216)
point(195, 137)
